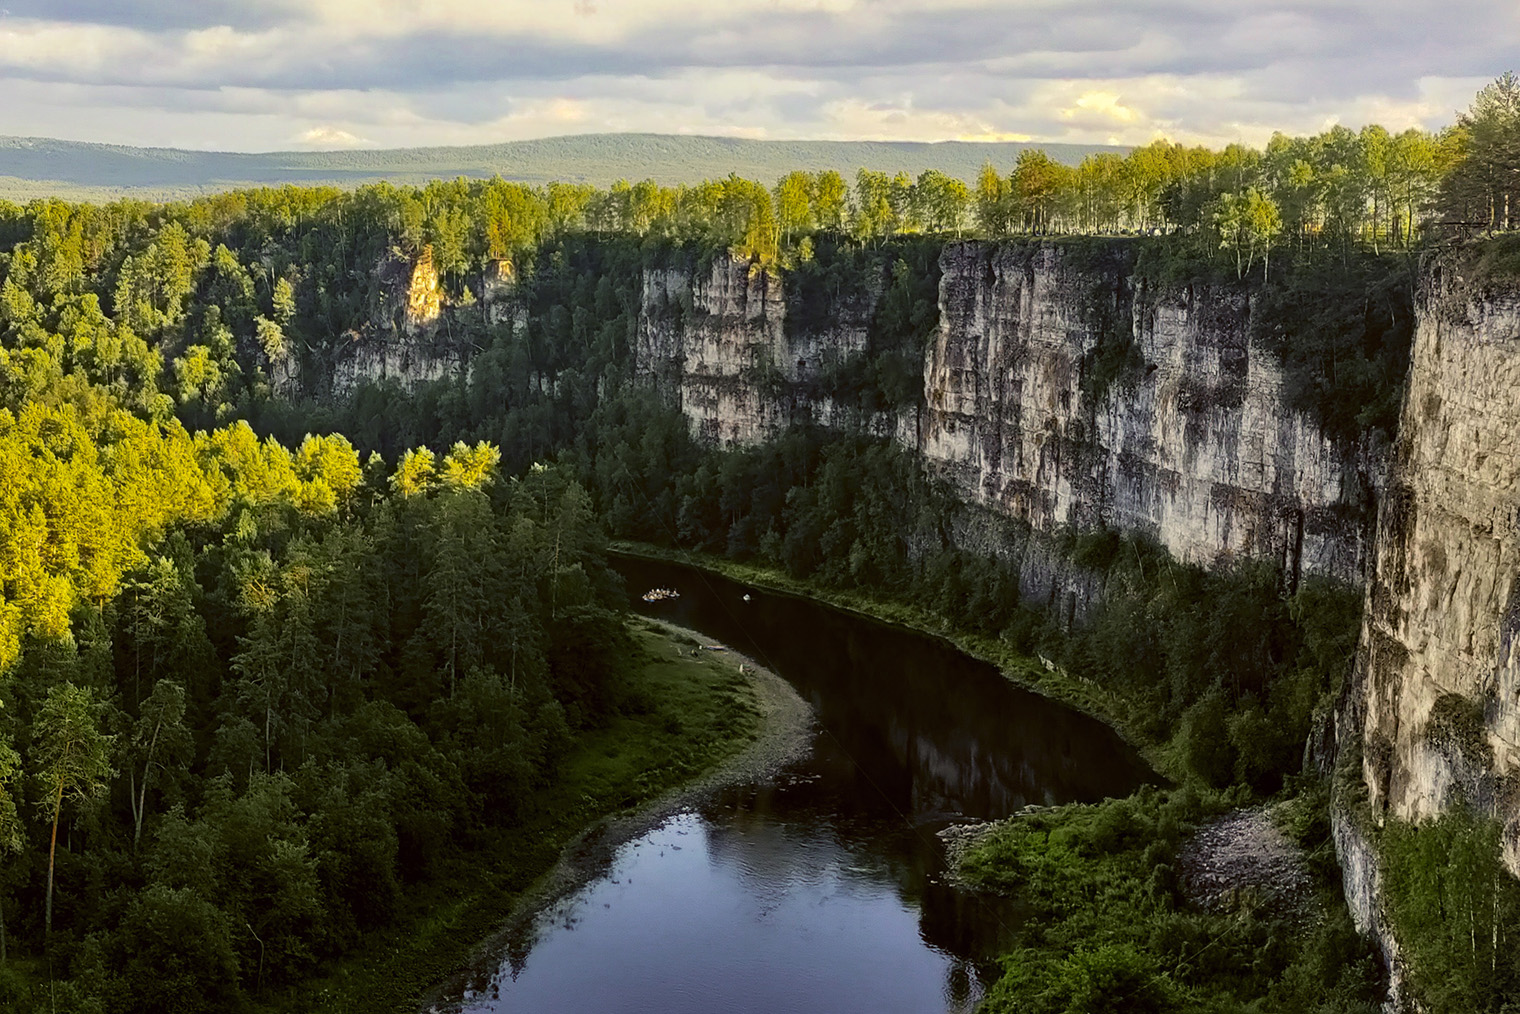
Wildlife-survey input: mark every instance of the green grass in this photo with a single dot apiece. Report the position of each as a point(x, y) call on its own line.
point(688, 715)
point(1124, 716)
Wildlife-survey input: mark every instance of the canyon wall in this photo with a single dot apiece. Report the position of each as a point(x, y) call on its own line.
point(1432, 710)
point(1191, 440)
point(1061, 389)
point(1438, 690)
point(1064, 387)
point(407, 335)
point(716, 342)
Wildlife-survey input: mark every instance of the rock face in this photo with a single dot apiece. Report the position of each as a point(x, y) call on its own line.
point(1190, 440)
point(403, 342)
point(1436, 700)
point(718, 344)
point(407, 334)
point(1433, 706)
point(1192, 443)
point(1362, 879)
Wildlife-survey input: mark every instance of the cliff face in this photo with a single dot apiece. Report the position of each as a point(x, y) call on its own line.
point(1436, 699)
point(402, 341)
point(1192, 443)
point(1432, 709)
point(409, 334)
point(712, 342)
point(718, 344)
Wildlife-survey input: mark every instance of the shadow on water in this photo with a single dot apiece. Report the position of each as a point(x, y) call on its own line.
point(822, 890)
point(915, 725)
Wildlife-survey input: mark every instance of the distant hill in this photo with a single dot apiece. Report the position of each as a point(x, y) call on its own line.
point(33, 166)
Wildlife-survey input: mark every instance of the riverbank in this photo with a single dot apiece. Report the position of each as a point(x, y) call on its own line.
point(783, 733)
point(1034, 674)
point(700, 724)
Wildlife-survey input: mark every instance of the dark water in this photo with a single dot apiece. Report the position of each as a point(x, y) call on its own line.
point(820, 892)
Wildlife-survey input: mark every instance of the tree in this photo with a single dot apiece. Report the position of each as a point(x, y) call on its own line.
point(1263, 223)
point(874, 215)
point(1038, 184)
point(283, 303)
point(414, 473)
point(992, 212)
point(159, 736)
point(1413, 177)
point(271, 338)
point(1247, 221)
point(942, 201)
point(830, 194)
point(1484, 185)
point(1377, 159)
point(794, 203)
point(74, 758)
point(331, 459)
point(462, 583)
point(11, 839)
point(468, 467)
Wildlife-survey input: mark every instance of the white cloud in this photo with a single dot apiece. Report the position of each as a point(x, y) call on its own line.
point(329, 137)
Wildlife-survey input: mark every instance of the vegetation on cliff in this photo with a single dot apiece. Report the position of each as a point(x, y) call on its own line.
point(1107, 927)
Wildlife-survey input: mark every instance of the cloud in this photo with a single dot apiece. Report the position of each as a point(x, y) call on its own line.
point(329, 137)
point(238, 73)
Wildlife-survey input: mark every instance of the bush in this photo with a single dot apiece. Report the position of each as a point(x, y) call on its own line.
point(1102, 928)
point(1207, 746)
point(176, 955)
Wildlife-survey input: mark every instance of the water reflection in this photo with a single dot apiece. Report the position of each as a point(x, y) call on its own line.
point(820, 892)
point(913, 726)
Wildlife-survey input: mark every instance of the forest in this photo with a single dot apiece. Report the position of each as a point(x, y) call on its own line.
point(269, 665)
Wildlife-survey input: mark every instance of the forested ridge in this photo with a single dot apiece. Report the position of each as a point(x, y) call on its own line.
point(267, 665)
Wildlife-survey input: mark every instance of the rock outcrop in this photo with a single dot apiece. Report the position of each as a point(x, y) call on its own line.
point(1432, 710)
point(403, 341)
point(1192, 442)
point(718, 343)
point(1436, 700)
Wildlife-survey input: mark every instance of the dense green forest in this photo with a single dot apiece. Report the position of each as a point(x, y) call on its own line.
point(269, 664)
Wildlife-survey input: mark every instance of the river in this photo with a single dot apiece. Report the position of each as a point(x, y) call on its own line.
point(822, 890)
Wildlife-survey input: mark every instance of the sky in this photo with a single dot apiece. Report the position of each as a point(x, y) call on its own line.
point(259, 75)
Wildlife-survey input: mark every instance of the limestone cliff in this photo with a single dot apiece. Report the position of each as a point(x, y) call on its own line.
point(401, 342)
point(410, 332)
point(1435, 705)
point(717, 342)
point(1192, 442)
point(712, 341)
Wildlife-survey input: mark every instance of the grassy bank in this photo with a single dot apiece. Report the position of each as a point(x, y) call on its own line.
point(688, 714)
point(1032, 673)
